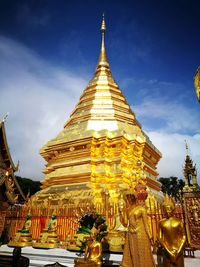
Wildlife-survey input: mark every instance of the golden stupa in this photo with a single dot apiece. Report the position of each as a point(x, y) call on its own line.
point(102, 147)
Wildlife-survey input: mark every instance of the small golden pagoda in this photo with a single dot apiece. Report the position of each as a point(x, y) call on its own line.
point(102, 147)
point(190, 174)
point(191, 200)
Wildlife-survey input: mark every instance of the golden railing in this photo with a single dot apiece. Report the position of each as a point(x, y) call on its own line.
point(67, 218)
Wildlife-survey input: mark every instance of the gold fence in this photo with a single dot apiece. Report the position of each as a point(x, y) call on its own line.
point(67, 218)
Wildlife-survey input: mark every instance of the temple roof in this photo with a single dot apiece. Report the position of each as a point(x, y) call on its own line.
point(9, 187)
point(4, 149)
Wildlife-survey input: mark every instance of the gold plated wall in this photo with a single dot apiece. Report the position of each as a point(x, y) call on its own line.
point(116, 165)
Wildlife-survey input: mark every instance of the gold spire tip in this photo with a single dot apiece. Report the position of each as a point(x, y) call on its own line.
point(102, 56)
point(103, 24)
point(186, 147)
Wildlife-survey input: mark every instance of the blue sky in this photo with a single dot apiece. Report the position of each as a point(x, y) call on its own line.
point(48, 53)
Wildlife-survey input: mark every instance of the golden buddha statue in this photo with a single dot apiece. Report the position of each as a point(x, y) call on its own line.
point(26, 226)
point(195, 210)
point(48, 237)
point(23, 236)
point(52, 225)
point(116, 234)
point(171, 236)
point(137, 248)
point(93, 252)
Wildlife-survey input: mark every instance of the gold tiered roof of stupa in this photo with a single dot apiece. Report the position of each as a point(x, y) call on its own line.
point(94, 134)
point(102, 104)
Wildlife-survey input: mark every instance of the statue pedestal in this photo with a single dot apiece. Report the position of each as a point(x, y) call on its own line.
point(78, 241)
point(86, 263)
point(47, 240)
point(72, 245)
point(116, 240)
point(21, 240)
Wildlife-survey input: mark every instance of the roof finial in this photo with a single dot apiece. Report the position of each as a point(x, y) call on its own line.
point(103, 29)
point(5, 117)
point(187, 148)
point(103, 24)
point(102, 58)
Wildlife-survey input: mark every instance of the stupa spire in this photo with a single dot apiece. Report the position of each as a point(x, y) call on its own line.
point(102, 57)
point(187, 148)
point(102, 106)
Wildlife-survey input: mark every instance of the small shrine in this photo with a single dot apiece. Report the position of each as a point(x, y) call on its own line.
point(191, 197)
point(190, 174)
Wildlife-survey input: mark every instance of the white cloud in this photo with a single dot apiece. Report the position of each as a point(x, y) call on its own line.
point(39, 97)
point(168, 124)
point(174, 115)
point(172, 146)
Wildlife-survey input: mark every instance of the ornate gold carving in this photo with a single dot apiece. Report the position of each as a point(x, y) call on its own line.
point(192, 217)
point(10, 192)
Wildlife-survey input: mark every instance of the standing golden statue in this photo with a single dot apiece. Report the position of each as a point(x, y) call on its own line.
point(137, 249)
point(172, 236)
